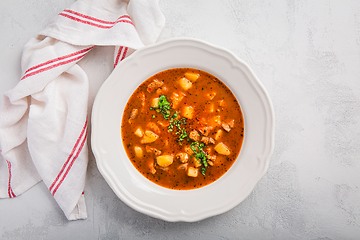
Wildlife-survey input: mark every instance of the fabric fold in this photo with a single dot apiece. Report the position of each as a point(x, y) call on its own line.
point(43, 120)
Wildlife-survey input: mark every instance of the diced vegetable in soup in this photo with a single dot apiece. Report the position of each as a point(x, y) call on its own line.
point(182, 128)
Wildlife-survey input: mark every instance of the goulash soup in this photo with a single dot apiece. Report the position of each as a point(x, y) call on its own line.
point(182, 128)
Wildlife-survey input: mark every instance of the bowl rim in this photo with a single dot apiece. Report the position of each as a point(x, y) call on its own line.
point(180, 216)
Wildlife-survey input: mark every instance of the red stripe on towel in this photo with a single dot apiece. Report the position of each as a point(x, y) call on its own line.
point(66, 164)
point(93, 18)
point(53, 66)
point(10, 191)
point(124, 54)
point(71, 164)
point(95, 24)
point(59, 59)
point(121, 55)
point(118, 56)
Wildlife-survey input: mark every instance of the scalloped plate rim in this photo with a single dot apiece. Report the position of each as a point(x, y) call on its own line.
point(201, 215)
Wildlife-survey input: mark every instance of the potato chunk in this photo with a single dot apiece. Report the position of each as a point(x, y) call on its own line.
point(139, 132)
point(218, 134)
point(192, 76)
point(138, 152)
point(176, 98)
point(197, 162)
point(188, 112)
point(153, 127)
point(164, 160)
point(154, 102)
point(185, 83)
point(192, 172)
point(149, 137)
point(221, 148)
point(215, 121)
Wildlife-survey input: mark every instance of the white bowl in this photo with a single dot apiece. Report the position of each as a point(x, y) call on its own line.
point(174, 205)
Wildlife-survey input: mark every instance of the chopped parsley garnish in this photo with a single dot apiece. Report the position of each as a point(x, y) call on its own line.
point(199, 153)
point(177, 126)
point(163, 107)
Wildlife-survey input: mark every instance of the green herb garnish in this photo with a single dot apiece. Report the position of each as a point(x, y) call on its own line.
point(177, 125)
point(199, 153)
point(163, 107)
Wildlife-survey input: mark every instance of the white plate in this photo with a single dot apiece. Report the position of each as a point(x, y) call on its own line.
point(174, 205)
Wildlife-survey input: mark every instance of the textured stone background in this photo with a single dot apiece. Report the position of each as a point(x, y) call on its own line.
point(307, 55)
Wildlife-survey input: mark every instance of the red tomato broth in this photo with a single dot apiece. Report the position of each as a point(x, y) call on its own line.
point(168, 143)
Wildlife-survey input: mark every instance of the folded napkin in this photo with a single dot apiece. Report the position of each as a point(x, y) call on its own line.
point(43, 120)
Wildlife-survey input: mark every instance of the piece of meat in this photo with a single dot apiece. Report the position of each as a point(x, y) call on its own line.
point(152, 168)
point(162, 90)
point(153, 150)
point(207, 140)
point(182, 167)
point(205, 130)
point(133, 114)
point(194, 135)
point(188, 150)
point(141, 97)
point(183, 157)
point(231, 123)
point(226, 127)
point(154, 85)
point(164, 168)
point(208, 151)
point(212, 158)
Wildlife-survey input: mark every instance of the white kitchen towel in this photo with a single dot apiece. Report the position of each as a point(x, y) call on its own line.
point(43, 120)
